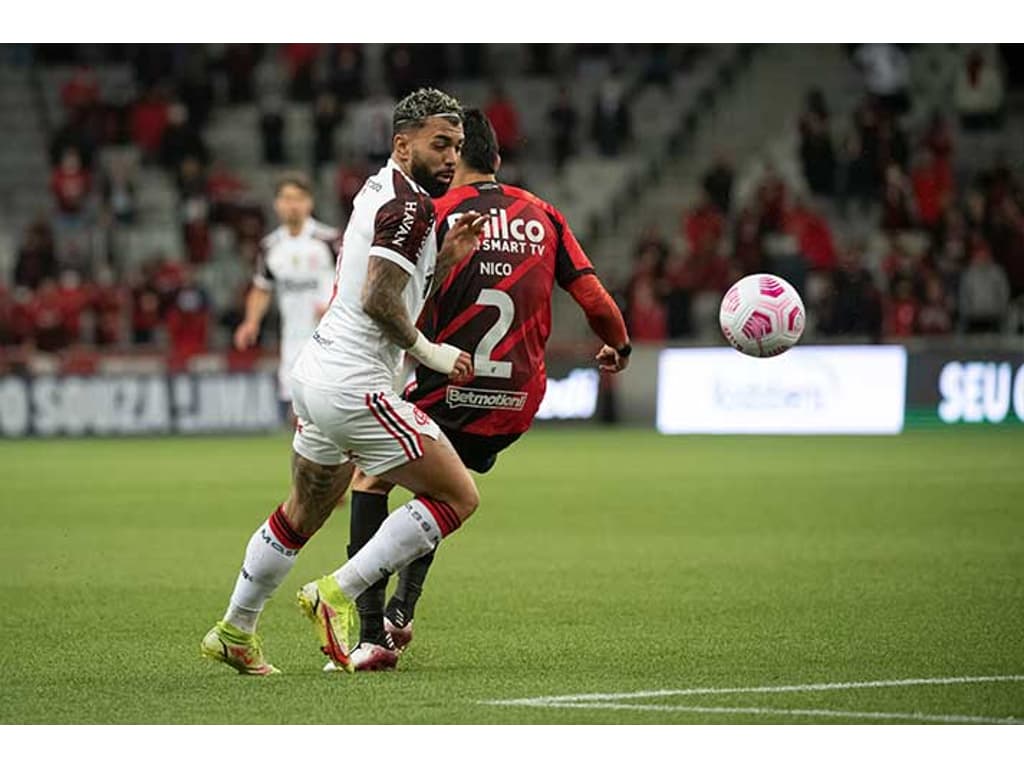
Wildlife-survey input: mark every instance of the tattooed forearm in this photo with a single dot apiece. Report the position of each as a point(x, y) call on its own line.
point(382, 301)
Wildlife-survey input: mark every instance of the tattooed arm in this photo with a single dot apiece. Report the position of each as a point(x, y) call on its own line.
point(382, 301)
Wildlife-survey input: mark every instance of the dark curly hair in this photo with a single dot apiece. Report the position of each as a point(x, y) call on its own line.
point(414, 109)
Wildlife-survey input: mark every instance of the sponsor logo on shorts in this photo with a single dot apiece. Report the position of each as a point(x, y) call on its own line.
point(321, 340)
point(420, 416)
point(463, 397)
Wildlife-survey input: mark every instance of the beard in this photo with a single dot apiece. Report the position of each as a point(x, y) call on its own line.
point(421, 175)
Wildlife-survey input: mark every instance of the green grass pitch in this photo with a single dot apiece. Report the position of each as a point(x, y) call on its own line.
point(599, 562)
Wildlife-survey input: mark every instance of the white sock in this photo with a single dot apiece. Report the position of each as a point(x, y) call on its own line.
point(408, 533)
point(269, 557)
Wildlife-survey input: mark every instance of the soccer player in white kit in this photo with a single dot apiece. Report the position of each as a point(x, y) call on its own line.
point(296, 262)
point(344, 395)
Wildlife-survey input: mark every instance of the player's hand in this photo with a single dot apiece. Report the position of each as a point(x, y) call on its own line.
point(462, 239)
point(246, 335)
point(463, 370)
point(610, 361)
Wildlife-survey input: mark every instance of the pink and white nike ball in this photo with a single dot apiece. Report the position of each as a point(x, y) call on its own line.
point(762, 315)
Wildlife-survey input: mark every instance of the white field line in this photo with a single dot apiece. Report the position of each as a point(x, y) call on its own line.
point(837, 713)
point(801, 688)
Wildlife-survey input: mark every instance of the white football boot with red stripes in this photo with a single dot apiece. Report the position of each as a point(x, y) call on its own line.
point(368, 657)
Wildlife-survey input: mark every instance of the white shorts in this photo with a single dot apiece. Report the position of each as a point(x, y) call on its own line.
point(377, 431)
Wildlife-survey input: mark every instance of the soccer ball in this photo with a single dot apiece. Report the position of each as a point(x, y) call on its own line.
point(762, 315)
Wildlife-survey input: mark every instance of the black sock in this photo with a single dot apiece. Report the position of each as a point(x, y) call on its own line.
point(369, 510)
point(410, 587)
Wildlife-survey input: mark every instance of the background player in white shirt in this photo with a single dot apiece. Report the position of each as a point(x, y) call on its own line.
point(349, 413)
point(296, 261)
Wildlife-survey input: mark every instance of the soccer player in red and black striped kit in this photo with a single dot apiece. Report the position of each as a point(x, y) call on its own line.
point(496, 304)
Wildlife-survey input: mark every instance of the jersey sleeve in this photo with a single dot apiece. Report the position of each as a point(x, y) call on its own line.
point(400, 228)
point(262, 277)
point(571, 263)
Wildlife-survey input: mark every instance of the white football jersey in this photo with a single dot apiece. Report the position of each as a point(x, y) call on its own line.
point(300, 271)
point(393, 218)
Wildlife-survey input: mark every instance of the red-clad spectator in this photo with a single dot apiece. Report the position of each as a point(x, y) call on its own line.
point(933, 188)
point(145, 313)
point(81, 91)
point(223, 186)
point(708, 271)
point(166, 280)
point(149, 120)
point(108, 304)
point(899, 264)
point(6, 317)
point(49, 331)
point(747, 241)
point(70, 183)
point(901, 311)
point(505, 118)
point(299, 55)
point(648, 319)
point(935, 316)
point(188, 321)
point(771, 201)
point(814, 237)
point(300, 59)
point(72, 298)
point(704, 224)
point(23, 316)
point(347, 183)
point(194, 211)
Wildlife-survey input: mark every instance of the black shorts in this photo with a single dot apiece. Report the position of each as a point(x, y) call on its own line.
point(478, 452)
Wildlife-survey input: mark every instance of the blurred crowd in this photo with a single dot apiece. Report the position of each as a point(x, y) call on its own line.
point(79, 278)
point(891, 230)
point(889, 233)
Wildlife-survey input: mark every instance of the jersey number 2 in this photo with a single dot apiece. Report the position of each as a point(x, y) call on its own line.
point(483, 365)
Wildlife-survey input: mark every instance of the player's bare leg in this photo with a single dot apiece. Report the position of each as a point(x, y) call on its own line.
point(445, 496)
point(273, 547)
point(269, 557)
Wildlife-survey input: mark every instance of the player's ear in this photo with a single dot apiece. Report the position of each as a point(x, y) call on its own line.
point(400, 145)
point(497, 163)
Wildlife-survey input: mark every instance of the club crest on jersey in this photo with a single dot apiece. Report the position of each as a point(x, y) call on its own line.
point(500, 235)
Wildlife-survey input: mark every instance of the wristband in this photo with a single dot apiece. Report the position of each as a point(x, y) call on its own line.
point(438, 357)
point(625, 350)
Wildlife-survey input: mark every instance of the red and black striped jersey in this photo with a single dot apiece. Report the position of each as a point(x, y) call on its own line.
point(496, 305)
